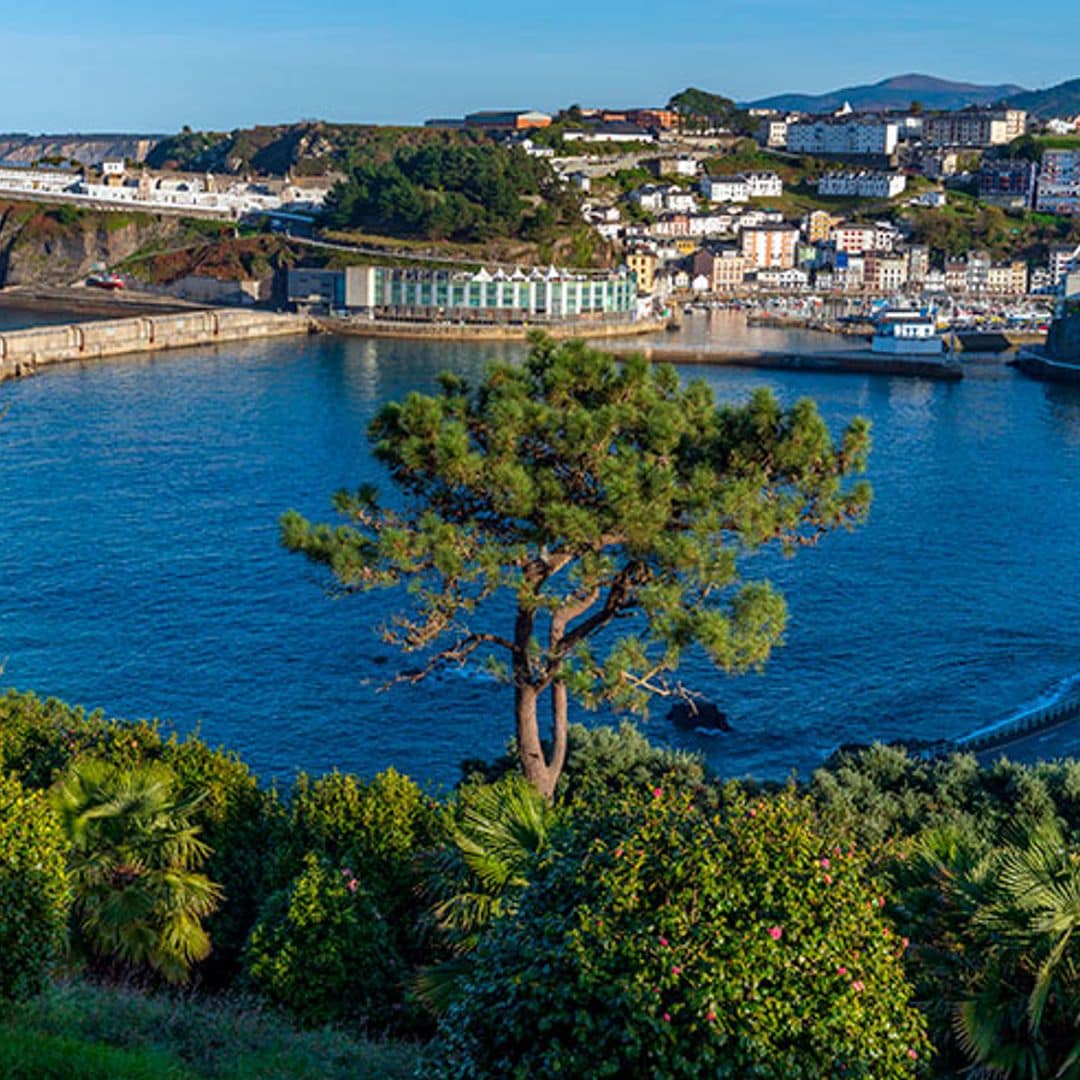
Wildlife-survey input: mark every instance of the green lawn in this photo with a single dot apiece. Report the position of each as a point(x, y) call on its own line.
point(76, 1031)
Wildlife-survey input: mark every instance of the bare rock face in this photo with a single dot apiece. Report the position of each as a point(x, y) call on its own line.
point(45, 246)
point(689, 716)
point(85, 149)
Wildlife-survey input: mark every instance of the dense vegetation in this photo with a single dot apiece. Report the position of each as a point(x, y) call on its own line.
point(700, 109)
point(453, 191)
point(764, 932)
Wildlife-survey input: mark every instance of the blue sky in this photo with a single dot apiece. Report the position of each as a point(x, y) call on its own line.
point(81, 66)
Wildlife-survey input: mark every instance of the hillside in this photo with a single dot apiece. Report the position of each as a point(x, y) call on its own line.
point(1060, 100)
point(85, 149)
point(897, 92)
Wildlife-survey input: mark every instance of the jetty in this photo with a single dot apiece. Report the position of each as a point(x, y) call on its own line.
point(475, 330)
point(1062, 710)
point(840, 362)
point(22, 352)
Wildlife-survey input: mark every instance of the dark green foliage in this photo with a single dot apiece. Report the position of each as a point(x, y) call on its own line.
point(452, 191)
point(663, 939)
point(39, 740)
point(702, 109)
point(590, 491)
point(323, 949)
point(135, 858)
point(40, 1055)
point(34, 894)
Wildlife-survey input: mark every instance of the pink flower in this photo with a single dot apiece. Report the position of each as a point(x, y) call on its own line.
point(657, 792)
point(912, 1053)
point(346, 872)
point(825, 863)
point(841, 970)
point(710, 1016)
point(353, 885)
point(618, 853)
point(667, 1018)
point(752, 812)
point(881, 901)
point(776, 932)
point(827, 879)
point(857, 986)
point(904, 941)
point(663, 942)
point(676, 970)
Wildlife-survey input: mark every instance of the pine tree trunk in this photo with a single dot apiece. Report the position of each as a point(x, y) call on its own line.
point(530, 749)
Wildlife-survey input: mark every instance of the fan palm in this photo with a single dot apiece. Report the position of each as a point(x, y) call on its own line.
point(501, 829)
point(1021, 1015)
point(134, 864)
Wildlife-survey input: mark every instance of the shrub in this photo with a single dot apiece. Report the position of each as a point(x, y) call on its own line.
point(323, 950)
point(665, 940)
point(34, 895)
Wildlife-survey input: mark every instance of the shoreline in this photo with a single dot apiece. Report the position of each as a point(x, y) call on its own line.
point(431, 331)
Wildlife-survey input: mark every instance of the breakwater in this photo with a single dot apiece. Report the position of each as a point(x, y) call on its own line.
point(22, 352)
point(1062, 708)
point(847, 361)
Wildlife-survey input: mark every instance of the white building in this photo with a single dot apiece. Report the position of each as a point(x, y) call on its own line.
point(725, 189)
point(763, 185)
point(862, 185)
point(679, 201)
point(844, 138)
point(649, 197)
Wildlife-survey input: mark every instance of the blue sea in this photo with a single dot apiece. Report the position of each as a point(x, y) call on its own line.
point(140, 570)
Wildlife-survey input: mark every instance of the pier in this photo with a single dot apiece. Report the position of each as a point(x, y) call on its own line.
point(22, 352)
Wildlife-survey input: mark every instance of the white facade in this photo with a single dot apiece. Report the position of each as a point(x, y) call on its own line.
point(679, 201)
point(763, 185)
point(849, 138)
point(1059, 182)
point(863, 185)
point(725, 189)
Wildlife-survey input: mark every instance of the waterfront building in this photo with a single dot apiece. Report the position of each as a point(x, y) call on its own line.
point(1063, 259)
point(974, 128)
point(847, 137)
point(862, 185)
point(448, 294)
point(770, 247)
point(792, 279)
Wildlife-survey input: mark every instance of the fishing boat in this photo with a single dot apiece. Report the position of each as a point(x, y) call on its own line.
point(907, 333)
point(108, 281)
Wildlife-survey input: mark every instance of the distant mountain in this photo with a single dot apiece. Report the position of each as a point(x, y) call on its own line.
point(895, 93)
point(1060, 100)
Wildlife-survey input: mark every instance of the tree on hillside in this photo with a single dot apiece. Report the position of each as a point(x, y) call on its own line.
point(612, 504)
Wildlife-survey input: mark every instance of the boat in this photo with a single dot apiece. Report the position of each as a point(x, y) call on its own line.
point(108, 281)
point(899, 332)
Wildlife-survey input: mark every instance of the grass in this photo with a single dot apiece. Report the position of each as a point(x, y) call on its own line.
point(78, 1031)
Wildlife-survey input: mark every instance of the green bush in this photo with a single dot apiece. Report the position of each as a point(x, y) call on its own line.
point(666, 940)
point(34, 895)
point(323, 950)
point(39, 1055)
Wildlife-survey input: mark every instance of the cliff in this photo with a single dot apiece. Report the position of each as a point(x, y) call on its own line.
point(58, 245)
point(85, 149)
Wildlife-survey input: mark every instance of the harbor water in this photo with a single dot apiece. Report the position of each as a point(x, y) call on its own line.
point(140, 570)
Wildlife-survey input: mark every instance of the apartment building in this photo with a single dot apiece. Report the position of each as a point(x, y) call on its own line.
point(769, 247)
point(725, 189)
point(1008, 183)
point(856, 239)
point(849, 137)
point(974, 128)
point(862, 185)
point(763, 185)
point(642, 264)
point(1059, 182)
point(818, 226)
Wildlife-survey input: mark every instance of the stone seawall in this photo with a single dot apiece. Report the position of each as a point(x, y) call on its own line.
point(22, 352)
point(427, 331)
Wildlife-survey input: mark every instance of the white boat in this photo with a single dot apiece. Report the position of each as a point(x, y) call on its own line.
point(907, 333)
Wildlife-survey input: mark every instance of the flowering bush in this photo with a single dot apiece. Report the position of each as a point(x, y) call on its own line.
point(666, 940)
point(323, 950)
point(34, 895)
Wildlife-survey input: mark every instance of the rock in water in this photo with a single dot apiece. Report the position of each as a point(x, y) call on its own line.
point(700, 714)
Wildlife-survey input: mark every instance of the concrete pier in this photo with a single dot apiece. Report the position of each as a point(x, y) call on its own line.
point(22, 352)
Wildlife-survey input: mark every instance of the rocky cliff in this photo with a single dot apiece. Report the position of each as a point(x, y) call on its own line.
point(56, 246)
point(85, 149)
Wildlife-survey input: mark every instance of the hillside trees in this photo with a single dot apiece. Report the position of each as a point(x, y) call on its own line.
point(612, 506)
